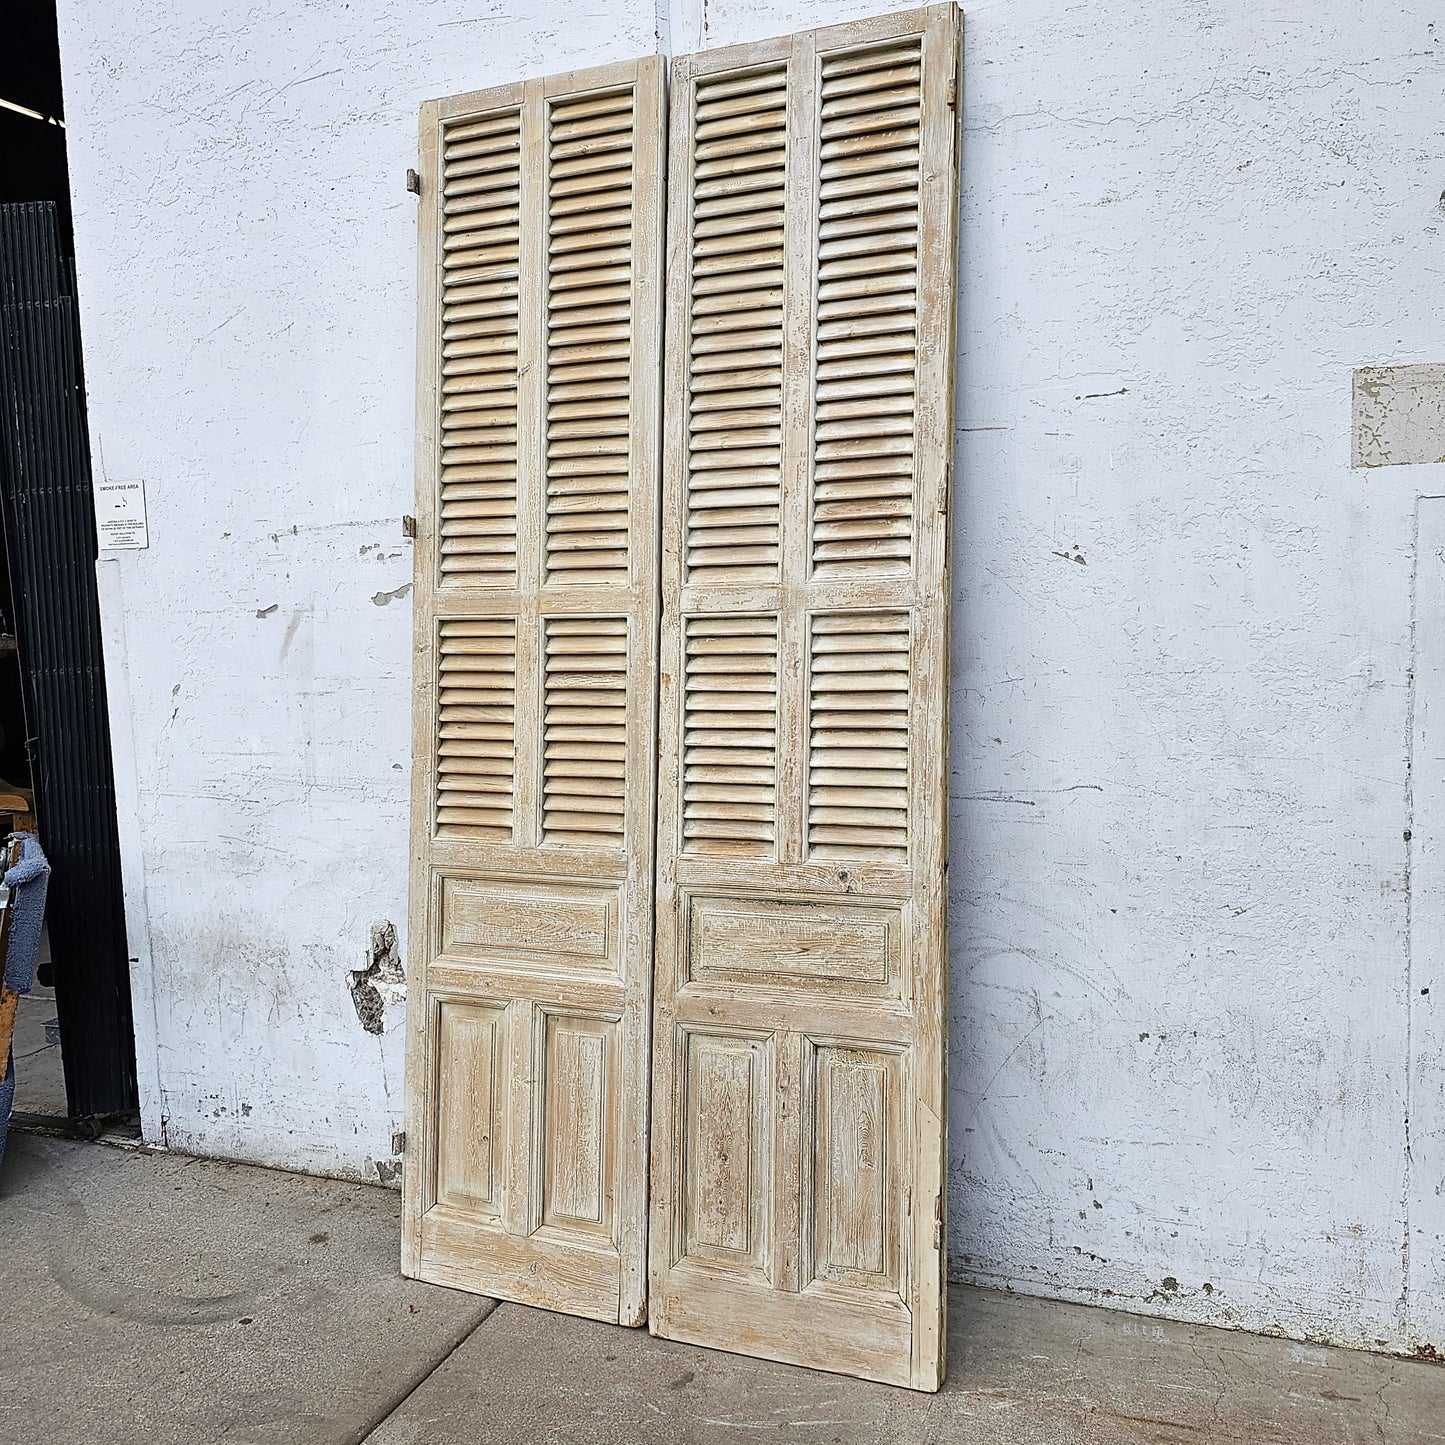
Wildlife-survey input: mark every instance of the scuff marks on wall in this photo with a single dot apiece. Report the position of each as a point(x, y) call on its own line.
point(382, 983)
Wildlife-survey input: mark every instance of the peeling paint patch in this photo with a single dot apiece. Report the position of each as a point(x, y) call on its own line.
point(382, 598)
point(381, 983)
point(1399, 416)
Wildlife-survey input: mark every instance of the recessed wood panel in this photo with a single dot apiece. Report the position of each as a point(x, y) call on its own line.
point(724, 1166)
point(497, 919)
point(578, 1122)
point(761, 941)
point(857, 1121)
point(469, 1072)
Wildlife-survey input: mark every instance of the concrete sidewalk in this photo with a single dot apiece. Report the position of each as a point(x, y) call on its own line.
point(151, 1298)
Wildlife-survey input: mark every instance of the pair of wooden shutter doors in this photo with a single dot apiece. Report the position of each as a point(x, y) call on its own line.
point(680, 726)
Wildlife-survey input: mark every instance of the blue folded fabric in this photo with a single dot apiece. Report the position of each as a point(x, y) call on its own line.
point(27, 882)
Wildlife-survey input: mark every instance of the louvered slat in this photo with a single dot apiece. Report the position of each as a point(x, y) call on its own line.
point(589, 336)
point(476, 727)
point(858, 736)
point(730, 736)
point(584, 730)
point(734, 450)
point(863, 435)
point(480, 258)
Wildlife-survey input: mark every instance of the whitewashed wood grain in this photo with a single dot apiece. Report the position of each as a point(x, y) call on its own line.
point(534, 722)
point(798, 1061)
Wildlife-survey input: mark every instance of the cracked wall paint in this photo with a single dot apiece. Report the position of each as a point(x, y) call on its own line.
point(1180, 1047)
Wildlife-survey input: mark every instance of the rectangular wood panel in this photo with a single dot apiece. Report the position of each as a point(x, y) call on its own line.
point(724, 1168)
point(798, 1058)
point(857, 1114)
point(469, 1068)
point(484, 920)
point(534, 723)
point(578, 1124)
point(799, 944)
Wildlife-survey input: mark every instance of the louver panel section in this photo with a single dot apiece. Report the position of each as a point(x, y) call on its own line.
point(858, 736)
point(584, 730)
point(730, 736)
point(734, 425)
point(589, 337)
point(476, 728)
point(867, 305)
point(480, 257)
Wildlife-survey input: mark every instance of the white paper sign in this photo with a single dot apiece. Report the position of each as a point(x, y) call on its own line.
point(120, 515)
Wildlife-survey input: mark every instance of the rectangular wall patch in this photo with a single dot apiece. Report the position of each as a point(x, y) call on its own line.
point(1399, 415)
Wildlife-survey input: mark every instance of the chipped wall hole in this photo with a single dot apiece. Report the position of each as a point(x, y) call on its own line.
point(382, 983)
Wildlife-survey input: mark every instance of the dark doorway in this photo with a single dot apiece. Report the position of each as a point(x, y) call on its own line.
point(56, 730)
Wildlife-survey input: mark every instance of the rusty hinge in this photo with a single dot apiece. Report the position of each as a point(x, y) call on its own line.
point(413, 180)
point(938, 1221)
point(947, 487)
point(408, 526)
point(953, 82)
point(398, 1142)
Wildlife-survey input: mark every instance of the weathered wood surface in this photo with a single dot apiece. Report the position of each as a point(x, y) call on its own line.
point(799, 1033)
point(534, 722)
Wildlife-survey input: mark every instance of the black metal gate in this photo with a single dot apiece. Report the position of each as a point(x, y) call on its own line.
point(45, 490)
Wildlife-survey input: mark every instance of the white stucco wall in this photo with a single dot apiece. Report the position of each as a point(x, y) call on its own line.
point(1187, 1023)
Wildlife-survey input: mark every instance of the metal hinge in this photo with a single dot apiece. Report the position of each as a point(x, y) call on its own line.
point(408, 526)
point(413, 180)
point(947, 487)
point(398, 1142)
point(938, 1221)
point(953, 82)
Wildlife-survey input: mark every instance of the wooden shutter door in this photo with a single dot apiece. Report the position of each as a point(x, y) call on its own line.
point(798, 1059)
point(534, 753)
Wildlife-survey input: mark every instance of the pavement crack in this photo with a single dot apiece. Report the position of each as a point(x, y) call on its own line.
point(1212, 1370)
